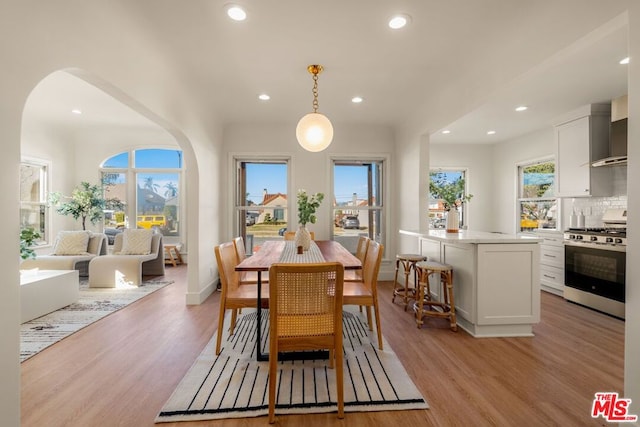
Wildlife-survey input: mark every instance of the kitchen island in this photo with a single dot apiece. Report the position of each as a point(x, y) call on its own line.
point(495, 279)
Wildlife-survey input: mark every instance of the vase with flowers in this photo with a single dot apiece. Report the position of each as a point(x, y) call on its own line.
point(307, 206)
point(451, 193)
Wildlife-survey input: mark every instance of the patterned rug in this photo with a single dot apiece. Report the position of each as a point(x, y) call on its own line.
point(93, 305)
point(234, 384)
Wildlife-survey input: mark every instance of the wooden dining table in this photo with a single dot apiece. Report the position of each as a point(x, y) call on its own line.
point(275, 251)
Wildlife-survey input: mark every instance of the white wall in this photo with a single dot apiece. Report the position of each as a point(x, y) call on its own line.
point(632, 333)
point(410, 204)
point(131, 61)
point(478, 160)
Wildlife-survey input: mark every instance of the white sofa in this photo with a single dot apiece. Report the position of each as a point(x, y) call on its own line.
point(116, 270)
point(97, 246)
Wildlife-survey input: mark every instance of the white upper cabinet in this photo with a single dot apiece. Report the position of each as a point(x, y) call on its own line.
point(581, 138)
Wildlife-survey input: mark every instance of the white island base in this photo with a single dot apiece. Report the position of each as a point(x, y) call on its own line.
point(495, 279)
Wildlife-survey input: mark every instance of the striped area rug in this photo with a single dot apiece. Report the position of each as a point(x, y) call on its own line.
point(234, 384)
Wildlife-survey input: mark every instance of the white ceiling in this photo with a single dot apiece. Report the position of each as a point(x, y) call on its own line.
point(228, 64)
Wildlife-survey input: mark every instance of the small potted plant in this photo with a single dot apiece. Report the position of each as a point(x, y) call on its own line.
point(306, 214)
point(452, 194)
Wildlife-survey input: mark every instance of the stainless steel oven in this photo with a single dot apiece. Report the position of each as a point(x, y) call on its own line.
point(595, 266)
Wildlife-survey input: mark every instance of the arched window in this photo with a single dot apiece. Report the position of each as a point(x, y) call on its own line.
point(148, 185)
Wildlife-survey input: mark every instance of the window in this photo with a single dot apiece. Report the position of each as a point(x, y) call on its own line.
point(537, 205)
point(437, 212)
point(261, 201)
point(358, 208)
point(148, 183)
point(33, 197)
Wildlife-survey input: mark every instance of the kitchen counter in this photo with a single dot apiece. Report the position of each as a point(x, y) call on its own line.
point(496, 279)
point(470, 236)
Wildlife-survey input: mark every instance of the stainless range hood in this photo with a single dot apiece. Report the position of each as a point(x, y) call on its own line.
point(617, 135)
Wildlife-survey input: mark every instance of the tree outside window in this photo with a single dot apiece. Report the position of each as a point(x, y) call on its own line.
point(455, 184)
point(538, 208)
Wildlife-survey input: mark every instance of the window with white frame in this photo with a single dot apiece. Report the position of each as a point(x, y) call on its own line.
point(537, 204)
point(34, 212)
point(358, 201)
point(261, 200)
point(147, 184)
point(456, 179)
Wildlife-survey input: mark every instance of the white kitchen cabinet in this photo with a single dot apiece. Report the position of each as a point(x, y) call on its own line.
point(551, 262)
point(582, 137)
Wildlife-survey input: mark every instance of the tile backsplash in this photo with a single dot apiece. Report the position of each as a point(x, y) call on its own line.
point(594, 207)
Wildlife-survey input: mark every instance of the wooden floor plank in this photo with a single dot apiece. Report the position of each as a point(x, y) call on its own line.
point(121, 369)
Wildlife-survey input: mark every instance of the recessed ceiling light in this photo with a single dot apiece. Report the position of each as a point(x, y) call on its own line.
point(356, 99)
point(399, 21)
point(76, 111)
point(491, 132)
point(624, 61)
point(264, 97)
point(236, 13)
point(522, 108)
point(446, 131)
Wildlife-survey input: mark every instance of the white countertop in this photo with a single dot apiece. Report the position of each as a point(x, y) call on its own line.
point(471, 236)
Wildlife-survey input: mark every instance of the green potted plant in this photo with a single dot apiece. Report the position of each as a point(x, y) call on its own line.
point(85, 202)
point(452, 194)
point(307, 207)
point(28, 237)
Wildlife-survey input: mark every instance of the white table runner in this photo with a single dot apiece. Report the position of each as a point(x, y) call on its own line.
point(290, 254)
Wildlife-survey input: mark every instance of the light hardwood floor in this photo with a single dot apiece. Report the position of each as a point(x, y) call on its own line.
point(120, 370)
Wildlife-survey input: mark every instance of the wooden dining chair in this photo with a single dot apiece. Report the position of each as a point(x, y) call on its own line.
point(233, 295)
point(361, 254)
point(291, 235)
point(305, 313)
point(365, 293)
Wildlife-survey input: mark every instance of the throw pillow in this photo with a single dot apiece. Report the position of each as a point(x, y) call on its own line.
point(72, 243)
point(136, 242)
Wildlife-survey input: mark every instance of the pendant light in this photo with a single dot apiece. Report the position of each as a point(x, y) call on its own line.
point(314, 131)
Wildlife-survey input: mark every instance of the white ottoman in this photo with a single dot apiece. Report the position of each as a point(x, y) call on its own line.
point(44, 291)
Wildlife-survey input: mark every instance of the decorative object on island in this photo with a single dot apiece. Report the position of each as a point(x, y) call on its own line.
point(86, 201)
point(451, 193)
point(314, 131)
point(306, 213)
point(28, 237)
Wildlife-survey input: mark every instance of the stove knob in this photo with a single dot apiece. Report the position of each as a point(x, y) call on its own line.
point(594, 238)
point(609, 239)
point(578, 237)
point(618, 240)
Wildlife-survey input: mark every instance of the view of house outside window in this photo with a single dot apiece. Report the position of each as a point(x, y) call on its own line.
point(153, 177)
point(261, 200)
point(358, 203)
point(437, 211)
point(537, 205)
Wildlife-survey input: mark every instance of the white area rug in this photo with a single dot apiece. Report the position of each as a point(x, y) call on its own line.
point(93, 304)
point(234, 384)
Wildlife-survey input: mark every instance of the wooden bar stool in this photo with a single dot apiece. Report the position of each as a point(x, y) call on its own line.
point(408, 262)
point(425, 305)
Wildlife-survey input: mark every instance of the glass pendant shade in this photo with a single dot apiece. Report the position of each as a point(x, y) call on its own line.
point(314, 132)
